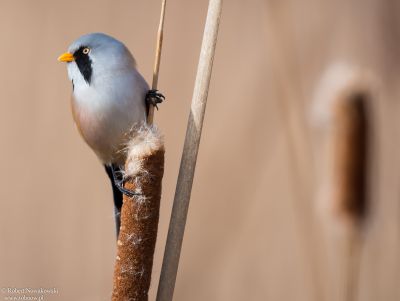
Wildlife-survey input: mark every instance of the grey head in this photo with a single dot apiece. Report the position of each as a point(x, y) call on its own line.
point(95, 55)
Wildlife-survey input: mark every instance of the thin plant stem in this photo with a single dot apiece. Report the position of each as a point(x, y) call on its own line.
point(189, 156)
point(156, 69)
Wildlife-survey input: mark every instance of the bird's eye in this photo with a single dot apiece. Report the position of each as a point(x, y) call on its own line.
point(86, 50)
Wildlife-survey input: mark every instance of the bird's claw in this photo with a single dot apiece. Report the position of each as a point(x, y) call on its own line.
point(153, 97)
point(120, 184)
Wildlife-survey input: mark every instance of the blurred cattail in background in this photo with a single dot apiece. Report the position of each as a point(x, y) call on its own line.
point(341, 114)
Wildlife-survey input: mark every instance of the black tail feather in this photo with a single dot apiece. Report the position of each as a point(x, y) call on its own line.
point(117, 198)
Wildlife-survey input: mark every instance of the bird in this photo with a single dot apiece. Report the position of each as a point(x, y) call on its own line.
point(109, 99)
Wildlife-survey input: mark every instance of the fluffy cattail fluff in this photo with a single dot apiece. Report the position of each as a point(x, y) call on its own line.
point(341, 117)
point(144, 170)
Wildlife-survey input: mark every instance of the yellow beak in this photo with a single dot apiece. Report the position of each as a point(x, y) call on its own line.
point(66, 57)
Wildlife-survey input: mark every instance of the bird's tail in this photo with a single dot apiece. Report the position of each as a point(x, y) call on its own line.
point(117, 196)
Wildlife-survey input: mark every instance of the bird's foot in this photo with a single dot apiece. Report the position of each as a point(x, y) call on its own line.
point(153, 97)
point(119, 182)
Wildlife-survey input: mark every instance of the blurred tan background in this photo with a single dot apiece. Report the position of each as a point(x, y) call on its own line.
point(253, 232)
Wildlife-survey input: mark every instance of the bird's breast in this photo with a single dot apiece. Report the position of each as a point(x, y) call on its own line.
point(105, 120)
point(94, 131)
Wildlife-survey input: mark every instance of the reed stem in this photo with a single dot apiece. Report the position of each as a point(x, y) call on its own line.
point(189, 155)
point(156, 68)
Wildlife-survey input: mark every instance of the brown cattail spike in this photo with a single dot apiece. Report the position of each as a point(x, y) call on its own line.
point(341, 111)
point(350, 164)
point(139, 216)
point(341, 118)
point(350, 147)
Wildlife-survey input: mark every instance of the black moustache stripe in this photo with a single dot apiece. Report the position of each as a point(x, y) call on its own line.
point(84, 64)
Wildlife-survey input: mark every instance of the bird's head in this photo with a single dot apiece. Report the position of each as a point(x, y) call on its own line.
point(96, 55)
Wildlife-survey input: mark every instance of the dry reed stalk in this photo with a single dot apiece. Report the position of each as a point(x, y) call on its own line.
point(344, 110)
point(139, 216)
point(189, 155)
point(156, 69)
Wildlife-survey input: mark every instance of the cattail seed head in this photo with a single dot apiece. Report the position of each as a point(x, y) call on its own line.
point(341, 117)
